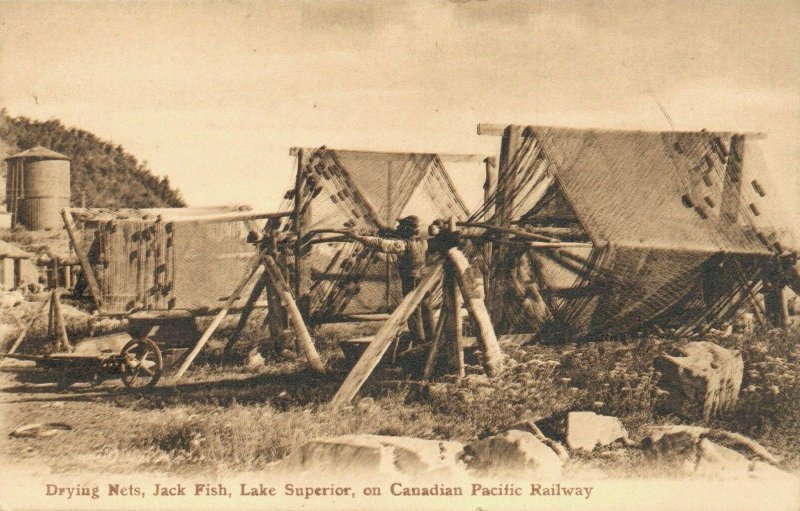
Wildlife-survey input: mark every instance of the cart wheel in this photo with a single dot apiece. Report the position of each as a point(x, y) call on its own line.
point(142, 363)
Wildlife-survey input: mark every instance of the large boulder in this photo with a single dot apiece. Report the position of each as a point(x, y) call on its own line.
point(375, 455)
point(587, 430)
point(694, 451)
point(516, 454)
point(701, 380)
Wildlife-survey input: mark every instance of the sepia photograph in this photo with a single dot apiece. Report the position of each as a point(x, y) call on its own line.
point(407, 255)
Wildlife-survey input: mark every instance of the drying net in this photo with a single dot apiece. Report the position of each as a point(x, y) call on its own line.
point(367, 191)
point(673, 221)
point(142, 263)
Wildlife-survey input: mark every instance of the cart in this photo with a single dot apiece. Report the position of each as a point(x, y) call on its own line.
point(139, 364)
point(161, 269)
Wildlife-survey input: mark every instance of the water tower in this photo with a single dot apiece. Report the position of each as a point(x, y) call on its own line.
point(37, 188)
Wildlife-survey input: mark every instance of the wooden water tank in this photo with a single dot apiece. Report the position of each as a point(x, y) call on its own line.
point(38, 188)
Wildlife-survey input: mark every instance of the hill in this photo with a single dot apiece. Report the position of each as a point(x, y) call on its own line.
point(106, 174)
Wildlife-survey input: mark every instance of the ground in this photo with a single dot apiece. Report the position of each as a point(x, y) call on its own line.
point(230, 418)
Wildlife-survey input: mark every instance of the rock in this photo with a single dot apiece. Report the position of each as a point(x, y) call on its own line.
point(745, 323)
point(255, 360)
point(701, 383)
point(38, 430)
point(366, 404)
point(531, 427)
point(369, 455)
point(587, 430)
point(690, 451)
point(716, 461)
point(515, 453)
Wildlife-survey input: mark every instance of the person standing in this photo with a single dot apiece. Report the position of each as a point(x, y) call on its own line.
point(411, 250)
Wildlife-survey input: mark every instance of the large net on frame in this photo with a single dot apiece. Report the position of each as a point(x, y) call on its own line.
point(367, 191)
point(676, 236)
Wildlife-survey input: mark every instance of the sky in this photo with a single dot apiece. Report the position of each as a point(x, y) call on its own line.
point(213, 94)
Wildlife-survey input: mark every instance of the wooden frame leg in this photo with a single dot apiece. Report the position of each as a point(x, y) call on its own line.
point(303, 337)
point(24, 332)
point(254, 265)
point(433, 351)
point(472, 292)
point(60, 325)
point(383, 338)
point(258, 289)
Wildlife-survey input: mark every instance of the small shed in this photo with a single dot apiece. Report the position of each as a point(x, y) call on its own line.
point(12, 260)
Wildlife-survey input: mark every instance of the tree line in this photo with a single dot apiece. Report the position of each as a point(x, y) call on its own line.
point(103, 174)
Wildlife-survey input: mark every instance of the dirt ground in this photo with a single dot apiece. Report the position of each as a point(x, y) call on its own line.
point(229, 418)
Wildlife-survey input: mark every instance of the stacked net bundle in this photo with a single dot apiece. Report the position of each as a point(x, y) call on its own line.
point(677, 238)
point(366, 191)
point(154, 264)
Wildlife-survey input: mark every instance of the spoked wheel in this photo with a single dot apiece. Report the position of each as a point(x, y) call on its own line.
point(142, 363)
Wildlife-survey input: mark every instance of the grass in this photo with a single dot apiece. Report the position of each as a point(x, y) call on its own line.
point(230, 418)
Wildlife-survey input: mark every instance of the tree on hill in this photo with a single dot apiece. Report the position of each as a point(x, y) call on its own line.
point(104, 173)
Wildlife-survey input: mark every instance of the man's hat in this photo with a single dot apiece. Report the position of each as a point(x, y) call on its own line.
point(409, 221)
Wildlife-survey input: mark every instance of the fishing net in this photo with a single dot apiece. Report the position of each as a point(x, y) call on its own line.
point(144, 263)
point(367, 191)
point(678, 239)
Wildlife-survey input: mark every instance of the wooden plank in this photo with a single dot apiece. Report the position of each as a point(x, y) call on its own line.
point(254, 265)
point(462, 158)
point(494, 130)
point(28, 326)
point(385, 335)
point(88, 273)
point(472, 292)
point(303, 337)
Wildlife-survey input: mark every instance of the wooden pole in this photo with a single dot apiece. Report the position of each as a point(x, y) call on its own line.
point(88, 273)
point(489, 192)
point(471, 290)
point(51, 317)
point(453, 325)
point(299, 325)
point(302, 223)
point(277, 319)
point(254, 265)
point(24, 331)
point(775, 304)
point(433, 351)
point(245, 314)
point(383, 338)
point(228, 217)
point(61, 327)
point(504, 206)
